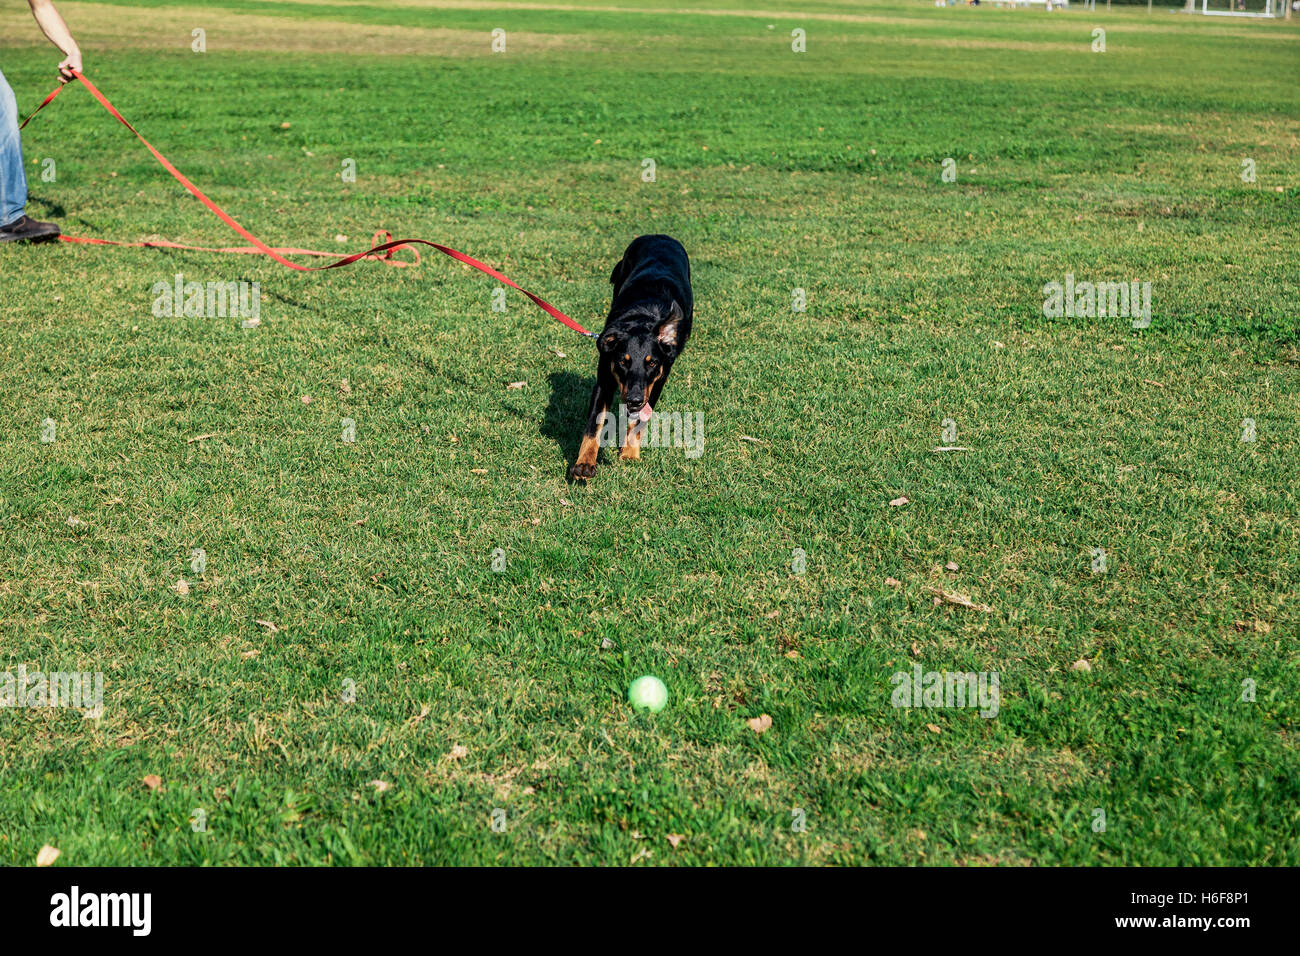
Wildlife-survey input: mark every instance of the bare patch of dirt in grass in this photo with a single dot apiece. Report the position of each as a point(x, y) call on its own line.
point(1129, 25)
point(170, 29)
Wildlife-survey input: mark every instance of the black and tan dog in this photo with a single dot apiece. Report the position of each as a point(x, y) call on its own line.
point(647, 328)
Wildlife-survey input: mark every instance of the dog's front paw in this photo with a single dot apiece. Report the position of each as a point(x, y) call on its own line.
point(582, 471)
point(630, 453)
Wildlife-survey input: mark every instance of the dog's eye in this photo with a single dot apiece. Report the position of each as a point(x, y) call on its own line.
point(649, 362)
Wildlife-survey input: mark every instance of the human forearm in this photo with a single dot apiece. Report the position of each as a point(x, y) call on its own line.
point(52, 25)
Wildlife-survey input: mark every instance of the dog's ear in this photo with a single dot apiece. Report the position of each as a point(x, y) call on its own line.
point(616, 276)
point(607, 342)
point(667, 330)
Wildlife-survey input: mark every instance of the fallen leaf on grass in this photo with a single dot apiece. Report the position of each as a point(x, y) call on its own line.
point(516, 385)
point(950, 566)
point(757, 441)
point(899, 501)
point(674, 839)
point(379, 785)
point(249, 655)
point(478, 471)
point(1081, 665)
point(961, 600)
point(951, 448)
point(74, 521)
point(760, 724)
point(152, 781)
point(893, 583)
point(270, 627)
point(181, 587)
point(458, 751)
point(1149, 382)
point(204, 437)
point(47, 855)
point(933, 728)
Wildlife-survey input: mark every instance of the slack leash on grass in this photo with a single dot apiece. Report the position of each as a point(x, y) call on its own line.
point(278, 253)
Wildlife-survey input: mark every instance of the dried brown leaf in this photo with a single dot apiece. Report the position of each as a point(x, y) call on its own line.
point(961, 600)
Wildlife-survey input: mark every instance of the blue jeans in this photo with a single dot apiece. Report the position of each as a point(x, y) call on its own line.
point(13, 178)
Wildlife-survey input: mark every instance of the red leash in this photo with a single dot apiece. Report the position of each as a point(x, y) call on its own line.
point(258, 247)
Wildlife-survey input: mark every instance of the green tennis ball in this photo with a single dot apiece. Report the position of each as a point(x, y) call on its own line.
point(648, 693)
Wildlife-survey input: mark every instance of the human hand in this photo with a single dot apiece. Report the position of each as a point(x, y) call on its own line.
point(70, 66)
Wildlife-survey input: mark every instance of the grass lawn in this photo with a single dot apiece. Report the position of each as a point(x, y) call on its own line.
point(349, 680)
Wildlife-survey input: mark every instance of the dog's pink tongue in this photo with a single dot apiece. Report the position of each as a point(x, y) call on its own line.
point(645, 413)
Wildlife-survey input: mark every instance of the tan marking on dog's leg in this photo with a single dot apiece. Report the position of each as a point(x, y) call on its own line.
point(585, 467)
point(632, 444)
point(588, 450)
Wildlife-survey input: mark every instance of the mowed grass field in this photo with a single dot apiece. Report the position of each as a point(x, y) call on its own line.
point(349, 680)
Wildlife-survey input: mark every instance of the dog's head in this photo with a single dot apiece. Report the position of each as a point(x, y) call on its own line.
point(639, 353)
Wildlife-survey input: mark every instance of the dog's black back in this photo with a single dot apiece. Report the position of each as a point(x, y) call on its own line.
point(654, 271)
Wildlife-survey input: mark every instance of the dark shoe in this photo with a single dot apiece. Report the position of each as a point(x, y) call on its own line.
point(27, 229)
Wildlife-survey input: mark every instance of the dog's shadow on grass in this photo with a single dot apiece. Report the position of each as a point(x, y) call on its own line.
point(566, 411)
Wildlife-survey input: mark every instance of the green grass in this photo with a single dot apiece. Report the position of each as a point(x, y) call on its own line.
point(373, 560)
